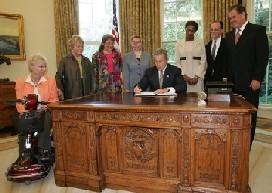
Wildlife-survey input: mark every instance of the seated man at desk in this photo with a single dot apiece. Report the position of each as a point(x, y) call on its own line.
point(162, 77)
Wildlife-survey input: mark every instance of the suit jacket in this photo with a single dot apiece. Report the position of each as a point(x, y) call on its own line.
point(172, 78)
point(133, 69)
point(217, 67)
point(247, 60)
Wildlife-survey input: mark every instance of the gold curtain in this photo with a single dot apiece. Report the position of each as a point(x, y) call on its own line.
point(66, 25)
point(216, 10)
point(140, 17)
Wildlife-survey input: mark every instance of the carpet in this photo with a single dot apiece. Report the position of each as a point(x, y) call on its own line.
point(8, 142)
point(264, 130)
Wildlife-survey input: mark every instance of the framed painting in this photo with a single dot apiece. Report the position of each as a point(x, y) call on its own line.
point(12, 36)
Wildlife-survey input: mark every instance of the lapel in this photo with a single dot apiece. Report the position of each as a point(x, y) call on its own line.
point(166, 75)
point(133, 58)
point(245, 33)
point(232, 38)
point(155, 77)
point(209, 48)
point(196, 43)
point(221, 47)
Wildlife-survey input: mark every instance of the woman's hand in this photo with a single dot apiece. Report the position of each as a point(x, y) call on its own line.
point(60, 94)
point(194, 80)
point(187, 78)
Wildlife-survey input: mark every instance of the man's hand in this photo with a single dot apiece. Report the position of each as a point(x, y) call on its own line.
point(255, 85)
point(161, 91)
point(137, 89)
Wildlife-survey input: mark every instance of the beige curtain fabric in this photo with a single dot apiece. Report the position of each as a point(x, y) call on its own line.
point(216, 10)
point(66, 25)
point(140, 17)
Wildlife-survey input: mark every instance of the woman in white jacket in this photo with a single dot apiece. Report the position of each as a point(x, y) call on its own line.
point(191, 58)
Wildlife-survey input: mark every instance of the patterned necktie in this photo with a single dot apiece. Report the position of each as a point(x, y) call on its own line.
point(237, 36)
point(161, 78)
point(213, 50)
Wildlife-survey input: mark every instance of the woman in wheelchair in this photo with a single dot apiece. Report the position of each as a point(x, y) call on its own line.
point(46, 90)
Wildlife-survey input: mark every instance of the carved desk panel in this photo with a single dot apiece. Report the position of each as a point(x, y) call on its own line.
point(152, 144)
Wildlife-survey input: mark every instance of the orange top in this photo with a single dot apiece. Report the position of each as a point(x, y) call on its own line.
point(47, 90)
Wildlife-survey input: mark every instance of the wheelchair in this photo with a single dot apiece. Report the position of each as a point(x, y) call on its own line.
point(30, 166)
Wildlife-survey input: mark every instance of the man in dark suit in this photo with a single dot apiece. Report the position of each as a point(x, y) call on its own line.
point(215, 52)
point(247, 57)
point(163, 77)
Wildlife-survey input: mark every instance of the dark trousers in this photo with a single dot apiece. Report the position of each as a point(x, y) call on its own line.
point(44, 141)
point(253, 98)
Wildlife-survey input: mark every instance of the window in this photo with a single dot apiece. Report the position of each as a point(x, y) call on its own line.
point(263, 16)
point(95, 20)
point(175, 14)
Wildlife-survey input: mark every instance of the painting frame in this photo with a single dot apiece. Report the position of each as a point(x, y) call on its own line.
point(12, 41)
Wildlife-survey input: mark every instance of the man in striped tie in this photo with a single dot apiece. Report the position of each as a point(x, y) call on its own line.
point(215, 52)
point(247, 57)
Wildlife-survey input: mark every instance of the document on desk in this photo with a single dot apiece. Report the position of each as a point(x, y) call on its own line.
point(153, 94)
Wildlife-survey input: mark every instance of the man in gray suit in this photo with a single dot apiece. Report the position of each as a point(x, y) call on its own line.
point(163, 77)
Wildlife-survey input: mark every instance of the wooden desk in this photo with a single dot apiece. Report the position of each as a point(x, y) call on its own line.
point(152, 144)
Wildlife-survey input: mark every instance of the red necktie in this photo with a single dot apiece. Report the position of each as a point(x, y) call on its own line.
point(237, 36)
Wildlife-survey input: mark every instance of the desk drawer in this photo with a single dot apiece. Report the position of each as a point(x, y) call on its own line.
point(210, 121)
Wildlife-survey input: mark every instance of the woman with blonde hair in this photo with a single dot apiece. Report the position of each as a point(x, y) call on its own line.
point(46, 90)
point(74, 76)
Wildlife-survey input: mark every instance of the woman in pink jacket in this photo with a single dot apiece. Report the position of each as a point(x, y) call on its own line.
point(46, 90)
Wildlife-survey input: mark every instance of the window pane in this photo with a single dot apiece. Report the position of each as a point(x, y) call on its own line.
point(95, 20)
point(170, 47)
point(170, 31)
point(262, 12)
point(169, 12)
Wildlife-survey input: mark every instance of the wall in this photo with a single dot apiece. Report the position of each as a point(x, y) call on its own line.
point(39, 31)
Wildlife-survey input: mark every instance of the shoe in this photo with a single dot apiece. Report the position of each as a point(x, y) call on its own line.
point(45, 155)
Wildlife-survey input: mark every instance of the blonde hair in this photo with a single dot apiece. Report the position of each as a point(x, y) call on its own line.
point(34, 59)
point(135, 36)
point(75, 39)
